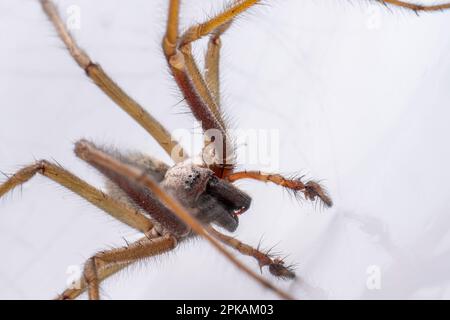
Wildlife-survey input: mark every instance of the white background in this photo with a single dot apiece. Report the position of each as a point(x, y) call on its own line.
point(359, 93)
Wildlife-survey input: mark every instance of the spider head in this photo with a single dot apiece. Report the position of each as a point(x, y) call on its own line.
point(209, 198)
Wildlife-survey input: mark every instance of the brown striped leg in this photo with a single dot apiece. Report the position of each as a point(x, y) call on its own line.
point(276, 266)
point(106, 163)
point(212, 64)
point(311, 189)
point(104, 263)
point(415, 6)
point(116, 209)
point(200, 30)
point(111, 89)
point(218, 153)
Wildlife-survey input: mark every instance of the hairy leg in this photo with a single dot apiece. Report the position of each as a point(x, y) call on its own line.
point(140, 195)
point(203, 99)
point(415, 6)
point(105, 263)
point(104, 273)
point(116, 209)
point(200, 30)
point(179, 67)
point(276, 265)
point(212, 66)
point(311, 189)
point(201, 87)
point(100, 159)
point(111, 89)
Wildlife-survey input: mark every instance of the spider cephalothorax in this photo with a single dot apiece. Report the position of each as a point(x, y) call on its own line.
point(209, 198)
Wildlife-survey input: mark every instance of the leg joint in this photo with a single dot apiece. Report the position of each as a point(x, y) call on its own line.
point(41, 166)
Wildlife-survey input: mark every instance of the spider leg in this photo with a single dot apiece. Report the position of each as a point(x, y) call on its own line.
point(414, 6)
point(276, 266)
point(201, 87)
point(218, 152)
point(116, 209)
point(105, 263)
point(103, 273)
point(212, 66)
point(200, 30)
point(207, 85)
point(140, 195)
point(191, 85)
point(212, 82)
point(202, 99)
point(111, 89)
point(107, 163)
point(311, 189)
point(194, 89)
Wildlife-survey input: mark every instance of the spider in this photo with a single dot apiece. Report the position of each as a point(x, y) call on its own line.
point(170, 204)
